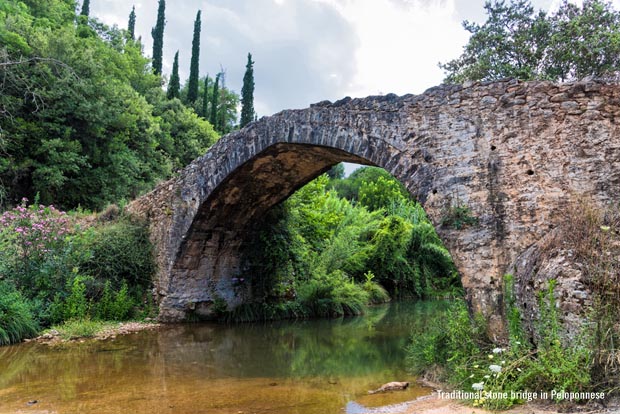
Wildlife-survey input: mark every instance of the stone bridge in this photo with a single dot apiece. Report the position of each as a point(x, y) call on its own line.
point(515, 153)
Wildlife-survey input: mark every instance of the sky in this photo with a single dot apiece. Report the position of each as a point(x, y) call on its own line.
point(307, 51)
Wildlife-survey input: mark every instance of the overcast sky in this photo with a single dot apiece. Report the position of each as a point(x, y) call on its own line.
point(310, 50)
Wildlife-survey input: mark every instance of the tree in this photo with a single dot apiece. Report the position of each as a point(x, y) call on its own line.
point(511, 43)
point(192, 93)
point(214, 101)
point(247, 94)
point(158, 38)
point(205, 98)
point(85, 8)
point(175, 84)
point(583, 41)
point(518, 42)
point(131, 26)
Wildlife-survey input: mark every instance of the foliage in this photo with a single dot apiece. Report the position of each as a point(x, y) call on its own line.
point(85, 8)
point(192, 88)
point(66, 272)
point(158, 37)
point(319, 254)
point(174, 86)
point(247, 94)
point(131, 24)
point(518, 42)
point(458, 216)
point(115, 306)
point(16, 318)
point(213, 118)
point(457, 348)
point(83, 122)
point(351, 187)
point(592, 235)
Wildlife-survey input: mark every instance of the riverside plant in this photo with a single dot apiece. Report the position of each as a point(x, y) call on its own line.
point(34, 230)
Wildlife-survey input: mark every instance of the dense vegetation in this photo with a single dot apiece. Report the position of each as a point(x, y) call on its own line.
point(336, 244)
point(85, 121)
point(56, 267)
point(518, 42)
point(456, 348)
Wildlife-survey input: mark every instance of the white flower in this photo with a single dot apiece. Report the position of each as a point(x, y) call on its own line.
point(498, 350)
point(503, 362)
point(478, 386)
point(487, 376)
point(495, 368)
point(471, 376)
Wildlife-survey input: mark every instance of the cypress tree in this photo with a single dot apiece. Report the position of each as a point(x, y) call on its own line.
point(247, 94)
point(213, 119)
point(131, 26)
point(205, 98)
point(175, 84)
point(85, 8)
point(158, 38)
point(192, 90)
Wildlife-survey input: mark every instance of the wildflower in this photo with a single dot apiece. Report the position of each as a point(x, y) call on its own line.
point(495, 368)
point(498, 350)
point(477, 386)
point(476, 366)
point(487, 376)
point(471, 376)
point(605, 228)
point(503, 362)
point(490, 356)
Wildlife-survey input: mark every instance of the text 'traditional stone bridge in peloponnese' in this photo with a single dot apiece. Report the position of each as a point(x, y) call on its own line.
point(515, 153)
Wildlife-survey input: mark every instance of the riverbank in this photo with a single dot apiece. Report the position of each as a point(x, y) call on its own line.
point(99, 331)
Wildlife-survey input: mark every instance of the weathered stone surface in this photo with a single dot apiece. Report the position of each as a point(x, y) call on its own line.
point(513, 152)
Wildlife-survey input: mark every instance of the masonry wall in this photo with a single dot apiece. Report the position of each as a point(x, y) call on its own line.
point(515, 153)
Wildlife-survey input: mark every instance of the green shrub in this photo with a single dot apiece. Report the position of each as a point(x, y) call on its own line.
point(120, 252)
point(115, 306)
point(457, 348)
point(376, 293)
point(332, 295)
point(458, 216)
point(80, 328)
point(16, 319)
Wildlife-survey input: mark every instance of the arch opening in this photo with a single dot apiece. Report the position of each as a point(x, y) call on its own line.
point(209, 260)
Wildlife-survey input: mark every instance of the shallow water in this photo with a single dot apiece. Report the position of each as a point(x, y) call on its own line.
point(283, 367)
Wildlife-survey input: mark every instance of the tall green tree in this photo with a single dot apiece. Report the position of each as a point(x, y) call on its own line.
point(131, 25)
point(192, 92)
point(174, 86)
point(205, 98)
point(85, 8)
point(158, 38)
point(247, 94)
point(214, 100)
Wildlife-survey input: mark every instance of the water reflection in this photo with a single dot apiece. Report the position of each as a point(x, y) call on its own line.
point(281, 367)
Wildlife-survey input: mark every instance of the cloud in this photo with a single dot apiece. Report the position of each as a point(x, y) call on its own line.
point(310, 50)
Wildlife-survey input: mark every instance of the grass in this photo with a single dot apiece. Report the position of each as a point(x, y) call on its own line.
point(82, 328)
point(457, 351)
point(16, 319)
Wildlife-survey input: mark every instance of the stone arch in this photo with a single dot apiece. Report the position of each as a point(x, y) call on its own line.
point(512, 152)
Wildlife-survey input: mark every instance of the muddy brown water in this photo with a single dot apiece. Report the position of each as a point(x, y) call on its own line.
point(284, 367)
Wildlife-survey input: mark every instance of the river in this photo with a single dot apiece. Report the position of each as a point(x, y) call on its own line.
point(283, 367)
